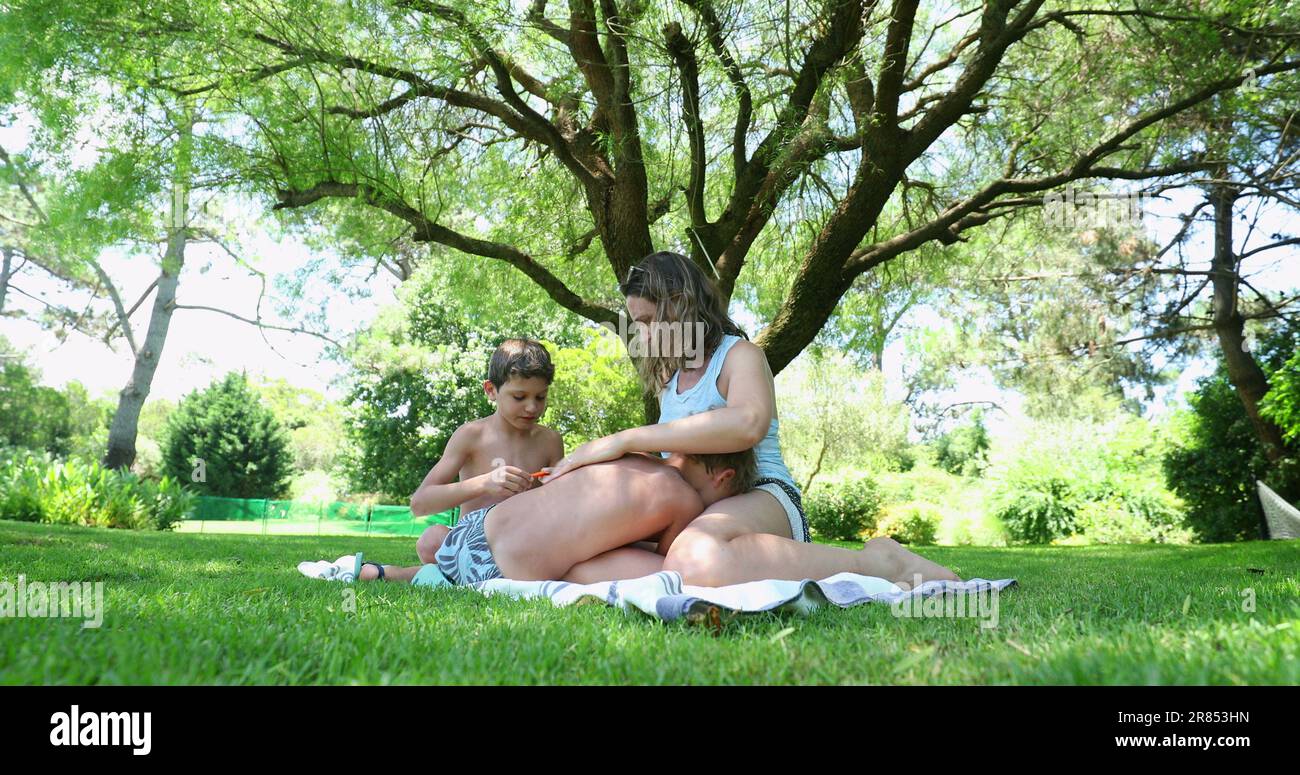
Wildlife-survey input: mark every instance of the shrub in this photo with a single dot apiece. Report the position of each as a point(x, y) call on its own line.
point(1062, 472)
point(843, 511)
point(20, 475)
point(84, 493)
point(243, 448)
point(910, 523)
point(1114, 521)
point(1037, 511)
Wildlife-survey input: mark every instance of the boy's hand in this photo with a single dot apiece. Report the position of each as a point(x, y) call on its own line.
point(505, 481)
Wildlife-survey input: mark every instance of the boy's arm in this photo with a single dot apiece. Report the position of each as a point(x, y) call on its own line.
point(554, 453)
point(440, 491)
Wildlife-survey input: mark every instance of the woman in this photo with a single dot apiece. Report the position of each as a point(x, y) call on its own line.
point(722, 402)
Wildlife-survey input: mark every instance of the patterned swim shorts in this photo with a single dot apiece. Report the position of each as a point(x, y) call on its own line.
point(464, 557)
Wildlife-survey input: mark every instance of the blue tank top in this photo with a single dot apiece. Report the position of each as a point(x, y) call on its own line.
point(704, 396)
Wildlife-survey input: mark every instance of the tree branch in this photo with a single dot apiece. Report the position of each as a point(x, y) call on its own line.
point(261, 323)
point(426, 230)
point(683, 55)
point(744, 100)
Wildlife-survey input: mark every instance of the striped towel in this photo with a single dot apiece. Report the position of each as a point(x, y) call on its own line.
point(663, 594)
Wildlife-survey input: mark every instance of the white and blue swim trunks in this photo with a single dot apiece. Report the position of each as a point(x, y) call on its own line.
point(464, 557)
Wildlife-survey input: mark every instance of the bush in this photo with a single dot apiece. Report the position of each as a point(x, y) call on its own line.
point(910, 523)
point(37, 489)
point(843, 512)
point(243, 448)
point(20, 483)
point(1044, 484)
point(1039, 510)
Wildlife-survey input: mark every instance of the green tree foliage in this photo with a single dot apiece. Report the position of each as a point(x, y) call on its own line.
point(314, 423)
point(834, 415)
point(44, 419)
point(1282, 404)
point(964, 450)
point(402, 419)
point(33, 416)
point(595, 392)
point(808, 144)
point(1217, 456)
point(243, 449)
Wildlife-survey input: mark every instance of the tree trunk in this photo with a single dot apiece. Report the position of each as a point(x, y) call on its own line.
point(4, 277)
point(122, 432)
point(1245, 374)
point(818, 467)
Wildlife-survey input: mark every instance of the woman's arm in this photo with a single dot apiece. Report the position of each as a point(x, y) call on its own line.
point(741, 424)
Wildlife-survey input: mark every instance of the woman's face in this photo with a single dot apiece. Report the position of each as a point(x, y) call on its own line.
point(642, 311)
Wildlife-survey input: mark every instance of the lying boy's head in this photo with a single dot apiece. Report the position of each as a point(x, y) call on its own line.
point(519, 374)
point(717, 476)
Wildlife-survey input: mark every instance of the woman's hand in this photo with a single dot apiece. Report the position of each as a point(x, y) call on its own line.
point(599, 450)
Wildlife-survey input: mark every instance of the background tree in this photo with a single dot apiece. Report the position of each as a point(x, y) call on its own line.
point(111, 164)
point(835, 415)
point(236, 443)
point(1217, 456)
point(417, 372)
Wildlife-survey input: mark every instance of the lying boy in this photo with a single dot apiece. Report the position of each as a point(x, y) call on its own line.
point(590, 513)
point(490, 459)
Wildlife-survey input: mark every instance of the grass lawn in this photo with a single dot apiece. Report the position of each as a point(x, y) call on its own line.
point(186, 608)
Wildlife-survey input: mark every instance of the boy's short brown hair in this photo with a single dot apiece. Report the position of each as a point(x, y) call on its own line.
point(743, 462)
point(522, 358)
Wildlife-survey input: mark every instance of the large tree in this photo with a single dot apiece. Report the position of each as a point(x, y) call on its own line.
point(818, 141)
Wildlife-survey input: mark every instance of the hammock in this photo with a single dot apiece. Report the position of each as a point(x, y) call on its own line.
point(1283, 518)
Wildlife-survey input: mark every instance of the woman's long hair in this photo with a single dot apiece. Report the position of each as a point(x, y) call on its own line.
point(682, 295)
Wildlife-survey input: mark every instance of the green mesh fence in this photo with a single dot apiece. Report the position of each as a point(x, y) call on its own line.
point(289, 517)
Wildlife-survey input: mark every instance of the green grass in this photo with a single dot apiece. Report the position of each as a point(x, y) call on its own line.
point(233, 610)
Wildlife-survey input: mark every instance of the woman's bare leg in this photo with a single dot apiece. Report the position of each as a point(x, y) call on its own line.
point(747, 538)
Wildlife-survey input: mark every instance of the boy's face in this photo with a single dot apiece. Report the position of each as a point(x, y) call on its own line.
point(521, 401)
point(712, 487)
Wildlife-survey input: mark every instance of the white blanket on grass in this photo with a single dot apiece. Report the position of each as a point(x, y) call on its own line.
point(663, 594)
